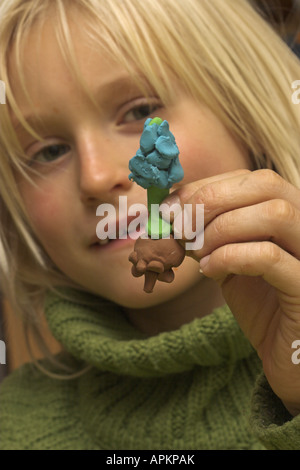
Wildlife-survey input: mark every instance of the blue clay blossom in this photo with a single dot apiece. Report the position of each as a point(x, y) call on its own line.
point(156, 163)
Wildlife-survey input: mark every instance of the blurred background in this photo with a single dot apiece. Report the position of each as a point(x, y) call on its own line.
point(284, 15)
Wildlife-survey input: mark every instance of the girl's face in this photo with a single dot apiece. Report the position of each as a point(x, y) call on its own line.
point(83, 163)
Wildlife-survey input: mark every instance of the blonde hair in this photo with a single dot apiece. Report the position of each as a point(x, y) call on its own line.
point(221, 52)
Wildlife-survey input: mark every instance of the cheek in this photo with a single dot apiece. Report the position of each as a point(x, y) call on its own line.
point(46, 213)
point(198, 159)
point(205, 156)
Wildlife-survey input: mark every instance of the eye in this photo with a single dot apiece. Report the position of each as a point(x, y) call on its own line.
point(141, 111)
point(50, 153)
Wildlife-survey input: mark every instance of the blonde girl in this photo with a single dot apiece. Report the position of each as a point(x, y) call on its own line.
point(171, 370)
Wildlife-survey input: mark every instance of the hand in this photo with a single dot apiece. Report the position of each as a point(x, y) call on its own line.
point(252, 249)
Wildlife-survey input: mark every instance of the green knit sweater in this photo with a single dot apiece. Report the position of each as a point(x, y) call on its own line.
point(193, 388)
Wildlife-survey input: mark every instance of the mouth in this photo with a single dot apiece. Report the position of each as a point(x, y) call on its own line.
point(123, 234)
point(108, 243)
point(100, 243)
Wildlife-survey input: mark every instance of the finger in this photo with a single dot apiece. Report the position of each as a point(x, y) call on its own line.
point(264, 259)
point(276, 220)
point(186, 192)
point(240, 190)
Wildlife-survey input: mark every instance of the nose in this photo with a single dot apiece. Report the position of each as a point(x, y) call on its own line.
point(103, 169)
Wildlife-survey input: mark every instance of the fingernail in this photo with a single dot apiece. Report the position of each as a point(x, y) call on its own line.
point(203, 262)
point(178, 226)
point(182, 226)
point(170, 208)
point(172, 199)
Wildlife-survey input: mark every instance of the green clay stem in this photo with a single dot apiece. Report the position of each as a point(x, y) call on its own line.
point(160, 228)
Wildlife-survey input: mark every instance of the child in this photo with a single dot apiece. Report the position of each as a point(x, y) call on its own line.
point(210, 360)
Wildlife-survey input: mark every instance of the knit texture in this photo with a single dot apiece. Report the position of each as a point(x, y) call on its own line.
point(186, 389)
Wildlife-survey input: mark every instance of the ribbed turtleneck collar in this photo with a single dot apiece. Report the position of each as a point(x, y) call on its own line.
point(98, 333)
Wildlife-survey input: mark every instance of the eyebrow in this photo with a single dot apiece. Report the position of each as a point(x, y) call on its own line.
point(106, 90)
point(32, 120)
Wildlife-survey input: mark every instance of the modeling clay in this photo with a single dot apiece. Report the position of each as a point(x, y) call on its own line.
point(156, 167)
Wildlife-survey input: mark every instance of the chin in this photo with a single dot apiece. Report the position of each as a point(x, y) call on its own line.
point(129, 293)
